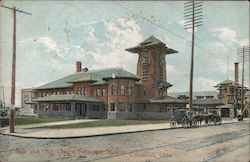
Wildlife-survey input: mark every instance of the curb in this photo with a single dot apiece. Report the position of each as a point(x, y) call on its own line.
point(86, 136)
point(106, 134)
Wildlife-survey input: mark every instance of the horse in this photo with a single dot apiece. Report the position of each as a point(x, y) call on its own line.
point(198, 118)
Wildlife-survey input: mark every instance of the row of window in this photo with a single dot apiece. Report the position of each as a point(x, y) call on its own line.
point(56, 93)
point(121, 107)
point(98, 92)
point(82, 91)
point(122, 90)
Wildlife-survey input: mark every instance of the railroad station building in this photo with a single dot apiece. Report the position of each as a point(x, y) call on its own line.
point(114, 93)
point(230, 92)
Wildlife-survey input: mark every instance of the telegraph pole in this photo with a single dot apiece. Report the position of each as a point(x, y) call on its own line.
point(243, 53)
point(3, 105)
point(13, 78)
point(192, 19)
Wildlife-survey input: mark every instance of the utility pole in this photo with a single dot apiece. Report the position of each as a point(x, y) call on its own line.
point(2, 106)
point(192, 20)
point(243, 53)
point(13, 80)
point(227, 67)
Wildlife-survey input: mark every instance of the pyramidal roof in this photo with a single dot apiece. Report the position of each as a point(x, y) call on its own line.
point(152, 42)
point(98, 76)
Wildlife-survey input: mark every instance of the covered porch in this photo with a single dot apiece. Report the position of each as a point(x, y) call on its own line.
point(71, 105)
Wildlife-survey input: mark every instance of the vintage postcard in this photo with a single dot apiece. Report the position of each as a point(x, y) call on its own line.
point(124, 81)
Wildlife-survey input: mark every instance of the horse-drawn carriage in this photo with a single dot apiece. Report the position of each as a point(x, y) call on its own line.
point(181, 117)
point(187, 118)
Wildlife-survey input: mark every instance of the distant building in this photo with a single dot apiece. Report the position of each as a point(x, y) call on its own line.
point(27, 99)
point(195, 94)
point(114, 93)
point(204, 103)
point(230, 93)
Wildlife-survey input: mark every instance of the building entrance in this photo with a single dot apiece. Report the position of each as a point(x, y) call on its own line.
point(81, 109)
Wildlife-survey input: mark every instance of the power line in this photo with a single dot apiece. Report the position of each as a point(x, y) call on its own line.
point(150, 21)
point(163, 28)
point(178, 10)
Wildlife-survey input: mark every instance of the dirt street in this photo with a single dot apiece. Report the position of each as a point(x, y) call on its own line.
point(227, 142)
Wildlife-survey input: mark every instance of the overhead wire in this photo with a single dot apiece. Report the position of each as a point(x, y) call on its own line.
point(178, 10)
point(164, 28)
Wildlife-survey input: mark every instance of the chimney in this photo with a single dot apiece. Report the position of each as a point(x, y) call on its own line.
point(236, 72)
point(78, 66)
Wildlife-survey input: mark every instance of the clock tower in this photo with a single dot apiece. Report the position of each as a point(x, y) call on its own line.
point(151, 67)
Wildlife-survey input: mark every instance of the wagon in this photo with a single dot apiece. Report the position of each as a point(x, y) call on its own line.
point(212, 118)
point(181, 117)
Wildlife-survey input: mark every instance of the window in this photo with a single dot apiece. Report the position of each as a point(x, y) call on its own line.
point(72, 92)
point(57, 93)
point(47, 94)
point(103, 107)
point(122, 90)
point(112, 107)
point(57, 107)
point(122, 106)
point(85, 92)
point(25, 97)
point(104, 92)
point(130, 107)
point(82, 91)
point(231, 90)
point(113, 90)
point(68, 107)
point(145, 62)
point(43, 94)
point(130, 91)
point(67, 92)
point(79, 91)
point(98, 93)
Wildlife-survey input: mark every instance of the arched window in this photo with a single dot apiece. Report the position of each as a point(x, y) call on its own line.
point(122, 90)
point(113, 90)
point(85, 92)
point(104, 92)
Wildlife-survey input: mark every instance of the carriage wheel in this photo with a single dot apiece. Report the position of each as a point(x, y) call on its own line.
point(215, 121)
point(184, 123)
point(172, 123)
point(195, 123)
point(219, 121)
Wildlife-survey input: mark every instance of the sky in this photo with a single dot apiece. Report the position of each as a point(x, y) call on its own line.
point(59, 33)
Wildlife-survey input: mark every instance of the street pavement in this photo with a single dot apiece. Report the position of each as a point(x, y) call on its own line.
point(217, 143)
point(23, 131)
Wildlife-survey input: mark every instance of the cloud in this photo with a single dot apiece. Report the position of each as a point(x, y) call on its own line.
point(121, 34)
point(243, 42)
point(226, 35)
point(174, 71)
point(204, 84)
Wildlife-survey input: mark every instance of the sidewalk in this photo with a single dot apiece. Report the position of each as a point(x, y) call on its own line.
point(89, 132)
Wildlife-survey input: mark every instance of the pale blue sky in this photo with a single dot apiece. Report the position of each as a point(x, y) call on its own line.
point(98, 33)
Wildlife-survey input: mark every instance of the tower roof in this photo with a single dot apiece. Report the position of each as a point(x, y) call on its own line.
point(152, 42)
